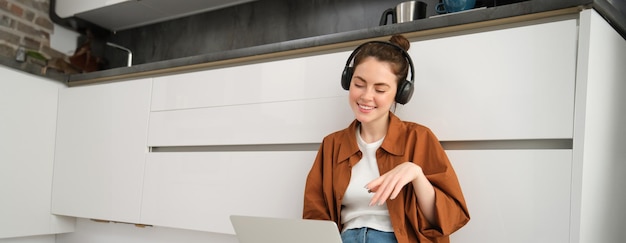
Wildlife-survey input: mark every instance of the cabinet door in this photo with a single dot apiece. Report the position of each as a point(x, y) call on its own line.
point(286, 122)
point(100, 150)
point(314, 76)
point(28, 106)
point(200, 190)
point(508, 82)
point(514, 195)
point(289, 100)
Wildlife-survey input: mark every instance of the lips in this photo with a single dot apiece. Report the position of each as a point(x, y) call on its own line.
point(365, 108)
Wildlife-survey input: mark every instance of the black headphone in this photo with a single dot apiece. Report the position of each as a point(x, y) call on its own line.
point(405, 89)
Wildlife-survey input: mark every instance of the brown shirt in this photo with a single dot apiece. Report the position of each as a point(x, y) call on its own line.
point(405, 141)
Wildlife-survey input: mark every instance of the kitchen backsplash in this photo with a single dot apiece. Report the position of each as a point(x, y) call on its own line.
point(250, 24)
point(25, 25)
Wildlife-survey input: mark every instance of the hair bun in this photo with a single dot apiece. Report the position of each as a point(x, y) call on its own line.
point(400, 41)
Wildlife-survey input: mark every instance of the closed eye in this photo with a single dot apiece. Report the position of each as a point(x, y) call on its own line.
point(382, 88)
point(359, 83)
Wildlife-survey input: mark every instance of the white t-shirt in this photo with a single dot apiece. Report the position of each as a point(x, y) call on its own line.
point(356, 212)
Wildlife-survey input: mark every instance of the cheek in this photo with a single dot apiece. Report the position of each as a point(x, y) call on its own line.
point(353, 94)
point(388, 100)
point(392, 96)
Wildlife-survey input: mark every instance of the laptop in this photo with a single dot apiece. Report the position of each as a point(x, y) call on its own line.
point(253, 229)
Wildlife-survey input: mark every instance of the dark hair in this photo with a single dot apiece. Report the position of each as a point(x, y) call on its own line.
point(387, 53)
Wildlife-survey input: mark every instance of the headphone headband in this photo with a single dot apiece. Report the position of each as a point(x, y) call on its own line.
point(405, 88)
point(404, 53)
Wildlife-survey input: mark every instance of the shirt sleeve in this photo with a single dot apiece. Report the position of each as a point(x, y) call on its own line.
point(315, 204)
point(450, 203)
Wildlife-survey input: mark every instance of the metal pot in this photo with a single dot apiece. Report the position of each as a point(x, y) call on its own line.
point(405, 12)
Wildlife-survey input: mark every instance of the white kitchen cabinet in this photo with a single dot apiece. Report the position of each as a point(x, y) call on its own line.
point(600, 135)
point(200, 190)
point(68, 8)
point(100, 150)
point(470, 86)
point(515, 195)
point(118, 15)
point(305, 77)
point(28, 113)
point(504, 82)
point(289, 122)
point(549, 79)
point(274, 102)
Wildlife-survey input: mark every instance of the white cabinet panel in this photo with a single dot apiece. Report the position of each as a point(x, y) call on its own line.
point(302, 78)
point(306, 121)
point(28, 112)
point(515, 195)
point(68, 8)
point(505, 83)
point(513, 83)
point(201, 190)
point(101, 148)
point(601, 136)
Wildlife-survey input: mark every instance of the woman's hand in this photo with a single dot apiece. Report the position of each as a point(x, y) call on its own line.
point(389, 185)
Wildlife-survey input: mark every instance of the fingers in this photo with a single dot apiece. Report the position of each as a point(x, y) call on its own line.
point(389, 185)
point(396, 191)
point(374, 187)
point(375, 198)
point(385, 187)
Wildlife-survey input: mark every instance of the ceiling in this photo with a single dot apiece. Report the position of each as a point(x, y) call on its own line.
point(135, 13)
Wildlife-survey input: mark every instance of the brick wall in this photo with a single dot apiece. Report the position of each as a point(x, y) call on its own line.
point(26, 23)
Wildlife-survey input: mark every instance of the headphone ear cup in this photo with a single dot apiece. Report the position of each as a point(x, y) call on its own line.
point(346, 77)
point(405, 92)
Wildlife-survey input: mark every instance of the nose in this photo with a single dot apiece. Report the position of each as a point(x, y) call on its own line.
point(368, 94)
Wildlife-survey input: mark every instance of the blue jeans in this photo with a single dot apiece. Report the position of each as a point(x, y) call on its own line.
point(367, 235)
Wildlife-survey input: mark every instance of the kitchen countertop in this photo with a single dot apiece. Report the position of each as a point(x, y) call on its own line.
point(534, 9)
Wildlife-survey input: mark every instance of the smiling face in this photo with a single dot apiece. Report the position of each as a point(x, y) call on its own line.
point(372, 91)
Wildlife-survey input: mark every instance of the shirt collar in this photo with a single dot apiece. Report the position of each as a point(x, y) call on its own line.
point(394, 141)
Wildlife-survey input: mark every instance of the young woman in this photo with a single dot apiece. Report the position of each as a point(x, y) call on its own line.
point(382, 179)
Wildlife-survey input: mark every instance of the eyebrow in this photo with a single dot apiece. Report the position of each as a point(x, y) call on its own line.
point(375, 84)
